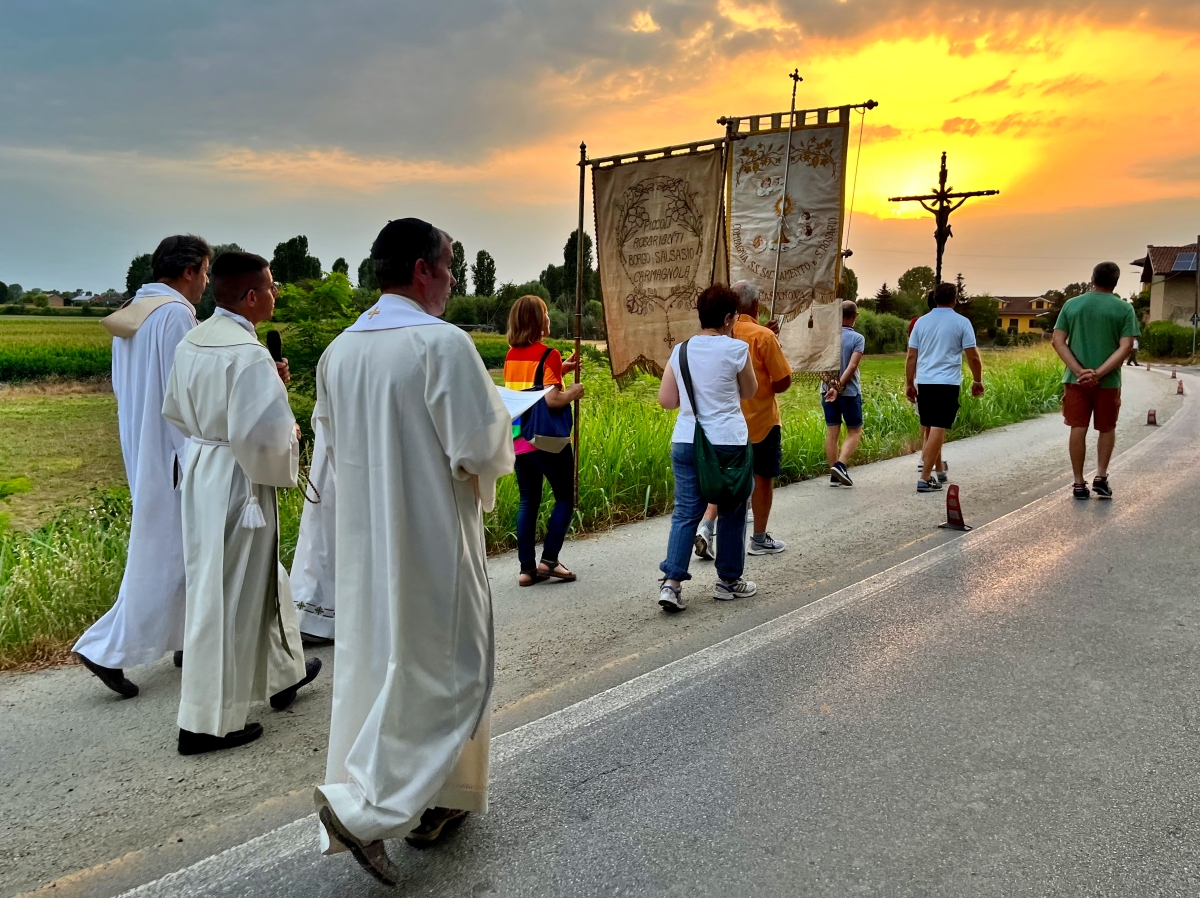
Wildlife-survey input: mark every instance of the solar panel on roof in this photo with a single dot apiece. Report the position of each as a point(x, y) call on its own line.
point(1184, 262)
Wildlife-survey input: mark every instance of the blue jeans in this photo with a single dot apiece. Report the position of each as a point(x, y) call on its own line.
point(689, 509)
point(559, 469)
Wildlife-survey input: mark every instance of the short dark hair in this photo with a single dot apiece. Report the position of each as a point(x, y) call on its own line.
point(235, 272)
point(715, 304)
point(945, 294)
point(1106, 274)
point(177, 254)
point(931, 299)
point(849, 308)
point(398, 247)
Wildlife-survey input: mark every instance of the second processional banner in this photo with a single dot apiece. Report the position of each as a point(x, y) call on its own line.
point(657, 226)
point(808, 246)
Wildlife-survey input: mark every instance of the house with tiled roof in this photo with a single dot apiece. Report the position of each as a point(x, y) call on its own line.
point(1170, 273)
point(1018, 312)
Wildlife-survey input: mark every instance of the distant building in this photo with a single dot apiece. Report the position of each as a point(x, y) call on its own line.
point(1017, 313)
point(1170, 273)
point(54, 301)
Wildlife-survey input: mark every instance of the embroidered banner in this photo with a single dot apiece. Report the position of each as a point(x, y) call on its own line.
point(809, 246)
point(657, 227)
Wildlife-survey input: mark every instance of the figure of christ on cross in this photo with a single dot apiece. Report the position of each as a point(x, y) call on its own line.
point(941, 204)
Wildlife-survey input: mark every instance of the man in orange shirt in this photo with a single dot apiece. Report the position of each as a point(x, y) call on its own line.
point(762, 418)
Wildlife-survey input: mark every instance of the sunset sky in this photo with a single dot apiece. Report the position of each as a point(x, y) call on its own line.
point(123, 121)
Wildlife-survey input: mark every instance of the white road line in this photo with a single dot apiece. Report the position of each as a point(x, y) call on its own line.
point(220, 872)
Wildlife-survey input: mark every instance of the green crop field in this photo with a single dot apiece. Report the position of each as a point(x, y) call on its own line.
point(61, 562)
point(34, 348)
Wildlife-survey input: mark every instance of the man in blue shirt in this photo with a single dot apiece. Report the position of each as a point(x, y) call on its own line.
point(933, 374)
point(843, 401)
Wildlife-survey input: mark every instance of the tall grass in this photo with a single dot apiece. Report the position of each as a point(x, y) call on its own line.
point(71, 348)
point(56, 580)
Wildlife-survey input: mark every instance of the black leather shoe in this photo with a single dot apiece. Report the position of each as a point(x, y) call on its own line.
point(198, 743)
point(179, 659)
point(436, 824)
point(112, 677)
point(282, 700)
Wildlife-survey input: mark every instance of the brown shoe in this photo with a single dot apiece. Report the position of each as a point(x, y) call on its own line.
point(112, 677)
point(371, 856)
point(436, 823)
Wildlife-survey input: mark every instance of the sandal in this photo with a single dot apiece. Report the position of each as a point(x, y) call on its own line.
point(535, 576)
point(552, 570)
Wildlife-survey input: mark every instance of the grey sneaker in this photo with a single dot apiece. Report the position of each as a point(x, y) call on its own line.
point(942, 476)
point(670, 598)
point(704, 542)
point(763, 544)
point(728, 590)
point(930, 486)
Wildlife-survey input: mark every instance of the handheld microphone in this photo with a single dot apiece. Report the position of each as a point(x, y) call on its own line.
point(275, 345)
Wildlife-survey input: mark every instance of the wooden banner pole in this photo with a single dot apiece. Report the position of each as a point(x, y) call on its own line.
point(787, 158)
point(579, 304)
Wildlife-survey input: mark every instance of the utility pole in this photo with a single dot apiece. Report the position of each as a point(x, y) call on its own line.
point(943, 204)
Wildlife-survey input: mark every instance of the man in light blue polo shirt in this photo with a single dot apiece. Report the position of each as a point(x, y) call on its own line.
point(933, 374)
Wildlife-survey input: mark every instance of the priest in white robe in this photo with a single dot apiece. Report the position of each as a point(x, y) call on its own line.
point(226, 393)
point(146, 621)
point(314, 561)
point(418, 437)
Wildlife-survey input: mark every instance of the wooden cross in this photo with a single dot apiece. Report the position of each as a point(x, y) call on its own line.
point(942, 199)
point(373, 312)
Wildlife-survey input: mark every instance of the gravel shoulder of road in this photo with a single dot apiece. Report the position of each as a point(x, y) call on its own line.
point(99, 801)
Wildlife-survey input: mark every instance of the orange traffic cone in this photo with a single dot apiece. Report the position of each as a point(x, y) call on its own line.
point(1179, 391)
point(1173, 374)
point(954, 516)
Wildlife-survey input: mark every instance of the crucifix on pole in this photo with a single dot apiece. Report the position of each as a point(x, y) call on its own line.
point(943, 203)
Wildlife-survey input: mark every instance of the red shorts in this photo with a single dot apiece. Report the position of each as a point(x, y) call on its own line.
point(1100, 405)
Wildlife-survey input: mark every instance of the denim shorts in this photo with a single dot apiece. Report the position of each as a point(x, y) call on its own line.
point(844, 408)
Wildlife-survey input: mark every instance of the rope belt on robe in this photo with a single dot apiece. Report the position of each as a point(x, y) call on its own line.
point(252, 516)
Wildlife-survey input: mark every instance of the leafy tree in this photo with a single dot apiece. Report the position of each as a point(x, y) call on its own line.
point(140, 272)
point(330, 298)
point(40, 300)
point(458, 268)
point(3, 292)
point(15, 292)
point(341, 266)
point(552, 278)
point(570, 262)
point(366, 274)
point(483, 273)
point(983, 312)
point(292, 263)
point(918, 281)
point(848, 288)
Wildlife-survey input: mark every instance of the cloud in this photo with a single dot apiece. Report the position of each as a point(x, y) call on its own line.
point(1070, 85)
point(1177, 170)
point(967, 126)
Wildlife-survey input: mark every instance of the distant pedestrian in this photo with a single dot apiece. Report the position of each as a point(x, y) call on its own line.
point(842, 401)
point(529, 363)
point(939, 464)
point(933, 375)
point(774, 376)
point(1132, 360)
point(1093, 335)
point(721, 375)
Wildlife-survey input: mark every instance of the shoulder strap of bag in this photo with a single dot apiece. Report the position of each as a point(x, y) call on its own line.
point(686, 373)
point(540, 374)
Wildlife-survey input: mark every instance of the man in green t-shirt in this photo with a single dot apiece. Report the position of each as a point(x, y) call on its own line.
point(1093, 335)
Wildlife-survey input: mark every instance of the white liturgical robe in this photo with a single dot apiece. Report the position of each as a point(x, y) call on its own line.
point(225, 394)
point(418, 437)
point(314, 565)
point(147, 620)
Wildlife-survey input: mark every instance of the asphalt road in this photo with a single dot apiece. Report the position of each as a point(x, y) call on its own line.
point(1011, 713)
point(849, 737)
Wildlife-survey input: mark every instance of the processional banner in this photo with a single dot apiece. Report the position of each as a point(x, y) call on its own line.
point(657, 226)
point(810, 242)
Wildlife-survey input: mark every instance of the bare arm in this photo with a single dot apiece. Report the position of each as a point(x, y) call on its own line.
point(558, 397)
point(668, 390)
point(747, 381)
point(1085, 376)
point(975, 363)
point(1115, 360)
point(782, 385)
point(910, 375)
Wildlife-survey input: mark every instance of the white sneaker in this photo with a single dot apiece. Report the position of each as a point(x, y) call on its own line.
point(765, 546)
point(728, 590)
point(704, 543)
point(671, 598)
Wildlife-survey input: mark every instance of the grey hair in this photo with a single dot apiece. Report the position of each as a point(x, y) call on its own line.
point(747, 294)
